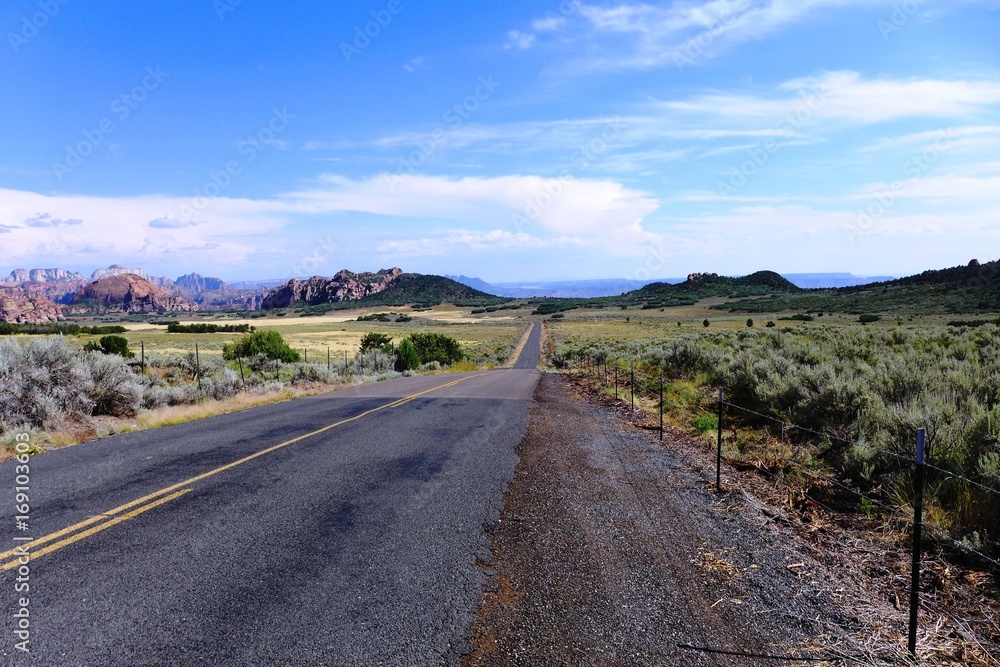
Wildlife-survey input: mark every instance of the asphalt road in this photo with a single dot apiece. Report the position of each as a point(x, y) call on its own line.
point(252, 539)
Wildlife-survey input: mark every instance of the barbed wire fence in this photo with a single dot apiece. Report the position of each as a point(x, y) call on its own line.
point(627, 380)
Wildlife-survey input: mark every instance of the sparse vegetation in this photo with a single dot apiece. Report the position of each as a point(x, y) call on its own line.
point(871, 385)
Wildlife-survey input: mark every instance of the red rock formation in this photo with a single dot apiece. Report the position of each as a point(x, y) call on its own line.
point(345, 286)
point(127, 293)
point(18, 307)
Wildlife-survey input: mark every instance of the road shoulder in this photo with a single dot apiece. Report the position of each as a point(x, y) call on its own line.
point(612, 549)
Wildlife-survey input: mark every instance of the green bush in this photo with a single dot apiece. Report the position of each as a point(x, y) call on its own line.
point(269, 343)
point(749, 324)
point(706, 323)
point(436, 347)
point(868, 318)
point(407, 358)
point(376, 341)
point(111, 345)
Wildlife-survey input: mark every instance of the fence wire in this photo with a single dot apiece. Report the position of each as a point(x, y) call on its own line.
point(629, 383)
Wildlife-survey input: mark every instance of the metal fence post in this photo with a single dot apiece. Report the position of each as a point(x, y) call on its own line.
point(328, 359)
point(631, 385)
point(718, 448)
point(239, 360)
point(918, 518)
point(345, 363)
point(616, 380)
point(197, 365)
point(142, 359)
point(661, 407)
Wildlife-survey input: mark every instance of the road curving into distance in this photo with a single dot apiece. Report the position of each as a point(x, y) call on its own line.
point(341, 529)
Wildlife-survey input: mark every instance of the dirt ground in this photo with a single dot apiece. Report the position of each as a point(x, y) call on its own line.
point(613, 550)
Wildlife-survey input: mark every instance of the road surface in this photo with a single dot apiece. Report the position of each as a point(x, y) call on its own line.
point(340, 529)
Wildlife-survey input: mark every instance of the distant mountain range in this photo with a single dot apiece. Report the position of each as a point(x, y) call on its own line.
point(582, 289)
point(42, 295)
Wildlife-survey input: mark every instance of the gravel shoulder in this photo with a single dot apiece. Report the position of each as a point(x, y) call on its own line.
point(613, 549)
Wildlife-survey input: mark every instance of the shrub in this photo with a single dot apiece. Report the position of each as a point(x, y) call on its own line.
point(268, 343)
point(706, 323)
point(436, 347)
point(111, 345)
point(407, 357)
point(376, 341)
point(770, 325)
point(749, 324)
point(112, 388)
point(44, 382)
point(868, 318)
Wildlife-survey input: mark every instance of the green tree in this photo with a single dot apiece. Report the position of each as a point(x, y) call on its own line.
point(407, 357)
point(706, 323)
point(111, 345)
point(436, 347)
point(750, 323)
point(268, 343)
point(868, 318)
point(376, 341)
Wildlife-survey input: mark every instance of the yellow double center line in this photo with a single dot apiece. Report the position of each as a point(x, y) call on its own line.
point(113, 517)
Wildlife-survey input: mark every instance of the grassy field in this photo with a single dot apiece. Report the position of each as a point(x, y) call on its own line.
point(481, 337)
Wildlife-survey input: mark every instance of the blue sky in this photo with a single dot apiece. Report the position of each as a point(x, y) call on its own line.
point(510, 141)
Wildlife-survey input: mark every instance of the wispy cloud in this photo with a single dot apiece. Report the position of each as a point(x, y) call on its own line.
point(645, 35)
point(413, 64)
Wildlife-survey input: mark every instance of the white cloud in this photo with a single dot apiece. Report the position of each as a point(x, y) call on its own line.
point(414, 64)
point(548, 23)
point(519, 40)
point(601, 211)
point(847, 96)
point(77, 228)
point(644, 35)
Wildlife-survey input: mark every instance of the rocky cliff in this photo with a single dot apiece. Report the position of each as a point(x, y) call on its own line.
point(119, 270)
point(16, 306)
point(43, 275)
point(127, 293)
point(344, 286)
point(231, 299)
point(196, 283)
